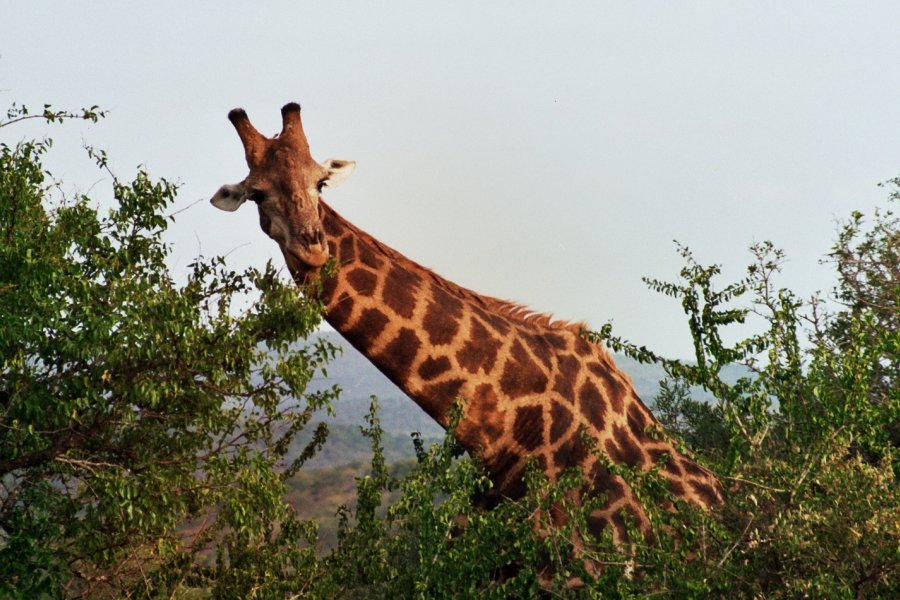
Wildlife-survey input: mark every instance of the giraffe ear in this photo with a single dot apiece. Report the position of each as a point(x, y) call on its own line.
point(229, 197)
point(338, 171)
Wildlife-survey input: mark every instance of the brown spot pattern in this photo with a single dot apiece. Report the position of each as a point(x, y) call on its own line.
point(615, 391)
point(622, 449)
point(618, 522)
point(340, 312)
point(596, 525)
point(363, 282)
point(482, 411)
point(514, 487)
point(504, 461)
point(440, 396)
point(347, 249)
point(663, 458)
point(368, 257)
point(706, 493)
point(638, 422)
point(676, 488)
point(612, 450)
point(332, 226)
point(567, 374)
point(604, 481)
point(432, 367)
point(528, 429)
point(557, 341)
point(561, 420)
point(691, 467)
point(441, 320)
point(582, 347)
point(629, 452)
point(496, 322)
point(480, 350)
point(506, 468)
point(584, 380)
point(396, 359)
point(572, 452)
point(591, 404)
point(539, 348)
point(521, 376)
point(367, 328)
point(400, 289)
point(329, 287)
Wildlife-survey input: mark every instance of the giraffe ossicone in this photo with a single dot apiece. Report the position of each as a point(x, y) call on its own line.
point(534, 388)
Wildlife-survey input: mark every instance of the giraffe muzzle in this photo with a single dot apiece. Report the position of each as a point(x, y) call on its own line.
point(310, 249)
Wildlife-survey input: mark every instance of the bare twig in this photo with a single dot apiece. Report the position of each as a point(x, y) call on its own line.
point(181, 210)
point(738, 542)
point(755, 484)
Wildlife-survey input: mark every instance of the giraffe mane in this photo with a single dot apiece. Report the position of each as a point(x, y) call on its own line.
point(513, 311)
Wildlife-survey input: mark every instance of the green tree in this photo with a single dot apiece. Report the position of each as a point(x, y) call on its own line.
point(868, 264)
point(811, 461)
point(697, 422)
point(141, 418)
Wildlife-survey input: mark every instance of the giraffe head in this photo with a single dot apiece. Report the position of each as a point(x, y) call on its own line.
point(285, 183)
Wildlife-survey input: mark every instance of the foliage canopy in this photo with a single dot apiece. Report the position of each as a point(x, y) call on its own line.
point(131, 403)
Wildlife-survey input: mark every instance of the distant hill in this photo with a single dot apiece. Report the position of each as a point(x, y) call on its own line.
point(359, 380)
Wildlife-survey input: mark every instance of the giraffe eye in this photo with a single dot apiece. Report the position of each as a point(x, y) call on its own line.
point(257, 196)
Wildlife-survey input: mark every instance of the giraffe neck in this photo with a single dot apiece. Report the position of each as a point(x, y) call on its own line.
point(533, 388)
point(409, 322)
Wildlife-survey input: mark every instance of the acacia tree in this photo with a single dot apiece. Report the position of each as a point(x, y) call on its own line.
point(132, 404)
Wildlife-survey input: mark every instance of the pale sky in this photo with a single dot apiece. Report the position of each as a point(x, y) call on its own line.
point(545, 152)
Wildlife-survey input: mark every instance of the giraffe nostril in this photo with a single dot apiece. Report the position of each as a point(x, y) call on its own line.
point(313, 238)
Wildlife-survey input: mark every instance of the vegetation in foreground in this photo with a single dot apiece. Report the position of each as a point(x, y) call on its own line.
point(135, 409)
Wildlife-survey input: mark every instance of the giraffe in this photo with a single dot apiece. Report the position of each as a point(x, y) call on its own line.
point(535, 389)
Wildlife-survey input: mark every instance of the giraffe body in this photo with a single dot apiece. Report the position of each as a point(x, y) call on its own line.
point(532, 388)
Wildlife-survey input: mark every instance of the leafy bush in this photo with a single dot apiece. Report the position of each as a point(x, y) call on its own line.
point(811, 457)
point(130, 403)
